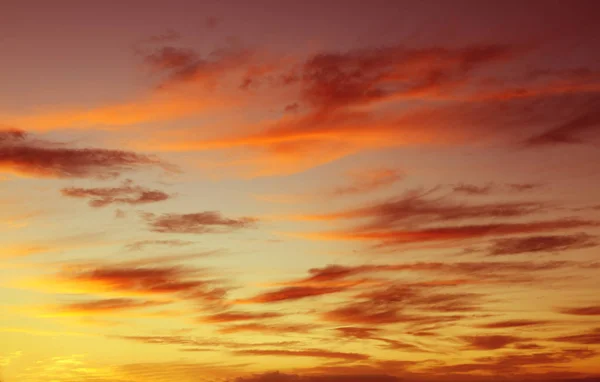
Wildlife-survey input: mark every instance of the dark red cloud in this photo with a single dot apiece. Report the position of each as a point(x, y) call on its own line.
point(337, 278)
point(446, 233)
point(21, 154)
point(418, 206)
point(591, 337)
point(226, 317)
point(517, 362)
point(127, 193)
point(340, 80)
point(572, 131)
point(201, 222)
point(471, 189)
point(403, 304)
point(548, 243)
point(489, 188)
point(357, 332)
point(181, 65)
point(583, 311)
point(490, 342)
point(313, 353)
point(512, 324)
point(280, 377)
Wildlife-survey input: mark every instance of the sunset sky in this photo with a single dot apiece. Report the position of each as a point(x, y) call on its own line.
point(299, 191)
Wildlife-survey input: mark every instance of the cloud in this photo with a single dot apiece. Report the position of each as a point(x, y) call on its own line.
point(142, 244)
point(402, 304)
point(201, 222)
point(471, 189)
point(447, 233)
point(489, 188)
point(571, 132)
point(226, 317)
point(267, 328)
point(591, 337)
point(313, 353)
point(336, 80)
point(292, 293)
point(148, 280)
point(104, 306)
point(549, 243)
point(512, 324)
point(281, 377)
point(582, 311)
point(184, 65)
point(368, 181)
point(424, 206)
point(518, 363)
point(192, 342)
point(491, 342)
point(22, 155)
point(127, 193)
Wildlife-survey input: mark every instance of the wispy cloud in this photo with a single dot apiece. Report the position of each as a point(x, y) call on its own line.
point(201, 222)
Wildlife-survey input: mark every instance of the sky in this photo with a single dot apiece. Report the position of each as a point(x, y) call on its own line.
point(299, 191)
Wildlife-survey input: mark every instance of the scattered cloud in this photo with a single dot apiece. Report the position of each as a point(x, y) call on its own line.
point(593, 310)
point(447, 233)
point(512, 324)
point(104, 306)
point(368, 181)
point(313, 353)
point(25, 156)
point(201, 222)
point(491, 342)
point(226, 317)
point(142, 244)
point(590, 337)
point(549, 243)
point(126, 193)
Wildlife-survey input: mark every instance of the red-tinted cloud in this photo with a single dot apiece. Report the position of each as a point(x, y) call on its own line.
point(446, 233)
point(280, 377)
point(512, 324)
point(583, 310)
point(106, 306)
point(181, 65)
point(367, 181)
point(591, 337)
point(226, 317)
point(139, 245)
point(23, 155)
point(144, 280)
point(340, 80)
point(420, 206)
point(267, 328)
point(491, 342)
point(548, 243)
point(201, 222)
point(313, 353)
point(292, 293)
point(127, 193)
point(573, 131)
